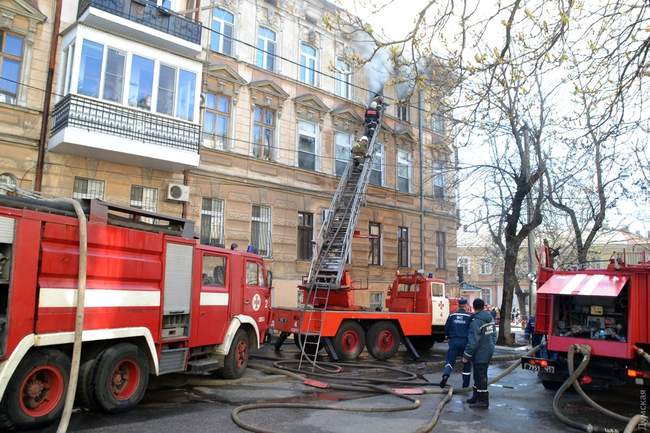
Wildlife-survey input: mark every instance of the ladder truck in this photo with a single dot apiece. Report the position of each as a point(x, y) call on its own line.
point(416, 306)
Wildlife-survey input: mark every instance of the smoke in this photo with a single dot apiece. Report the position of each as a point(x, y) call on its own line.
point(379, 68)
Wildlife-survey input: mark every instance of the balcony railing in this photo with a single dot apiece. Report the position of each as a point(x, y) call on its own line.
point(97, 116)
point(148, 13)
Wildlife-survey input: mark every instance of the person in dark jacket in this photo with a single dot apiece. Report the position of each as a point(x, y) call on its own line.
point(481, 340)
point(456, 329)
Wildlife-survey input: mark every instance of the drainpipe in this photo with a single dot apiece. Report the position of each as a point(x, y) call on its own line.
point(45, 115)
point(421, 142)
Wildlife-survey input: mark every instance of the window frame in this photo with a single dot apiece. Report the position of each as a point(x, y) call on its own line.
point(269, 230)
point(214, 287)
point(221, 37)
point(263, 128)
point(305, 236)
point(315, 137)
point(77, 195)
point(265, 54)
point(343, 87)
point(409, 170)
point(307, 74)
point(439, 181)
point(486, 261)
point(211, 140)
point(348, 151)
point(375, 245)
point(441, 250)
point(14, 58)
point(402, 245)
point(214, 215)
point(140, 204)
point(403, 112)
point(465, 262)
point(438, 123)
point(380, 152)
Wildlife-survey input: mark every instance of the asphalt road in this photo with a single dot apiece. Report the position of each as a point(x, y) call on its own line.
point(176, 404)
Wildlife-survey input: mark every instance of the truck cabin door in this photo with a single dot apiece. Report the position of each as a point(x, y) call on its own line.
point(256, 293)
point(7, 234)
point(214, 298)
point(439, 303)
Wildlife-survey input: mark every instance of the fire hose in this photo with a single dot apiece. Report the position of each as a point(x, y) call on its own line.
point(572, 380)
point(368, 384)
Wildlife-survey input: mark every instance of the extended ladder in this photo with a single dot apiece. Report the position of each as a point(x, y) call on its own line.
point(333, 246)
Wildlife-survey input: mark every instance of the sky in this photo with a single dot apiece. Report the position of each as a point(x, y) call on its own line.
point(396, 18)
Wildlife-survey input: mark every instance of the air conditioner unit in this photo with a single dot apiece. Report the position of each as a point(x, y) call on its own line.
point(178, 192)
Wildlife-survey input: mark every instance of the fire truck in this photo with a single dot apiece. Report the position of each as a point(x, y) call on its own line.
point(416, 310)
point(606, 309)
point(156, 302)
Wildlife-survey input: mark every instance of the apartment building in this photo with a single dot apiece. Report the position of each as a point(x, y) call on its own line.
point(238, 114)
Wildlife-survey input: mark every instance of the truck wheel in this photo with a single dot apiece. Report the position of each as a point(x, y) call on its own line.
point(235, 362)
point(36, 392)
point(121, 377)
point(383, 340)
point(85, 395)
point(422, 343)
point(299, 338)
point(349, 341)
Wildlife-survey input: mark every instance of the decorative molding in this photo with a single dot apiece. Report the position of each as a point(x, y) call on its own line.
point(25, 9)
point(346, 118)
point(225, 80)
point(310, 107)
point(268, 94)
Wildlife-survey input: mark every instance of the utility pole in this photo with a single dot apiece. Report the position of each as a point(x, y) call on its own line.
point(421, 142)
point(529, 217)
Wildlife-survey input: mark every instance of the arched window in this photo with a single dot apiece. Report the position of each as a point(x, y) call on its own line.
point(266, 44)
point(223, 23)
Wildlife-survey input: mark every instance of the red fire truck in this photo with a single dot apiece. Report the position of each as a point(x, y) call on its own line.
point(416, 309)
point(156, 302)
point(606, 309)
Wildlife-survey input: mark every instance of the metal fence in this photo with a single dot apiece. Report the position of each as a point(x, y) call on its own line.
point(93, 115)
point(147, 12)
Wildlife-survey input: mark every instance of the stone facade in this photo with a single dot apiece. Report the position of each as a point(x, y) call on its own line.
point(231, 172)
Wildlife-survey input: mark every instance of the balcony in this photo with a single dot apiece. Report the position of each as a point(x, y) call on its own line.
point(96, 129)
point(145, 21)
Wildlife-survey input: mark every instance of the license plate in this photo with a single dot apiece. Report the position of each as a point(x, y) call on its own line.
point(550, 369)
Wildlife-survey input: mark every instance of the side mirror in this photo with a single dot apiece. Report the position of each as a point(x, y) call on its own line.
point(269, 276)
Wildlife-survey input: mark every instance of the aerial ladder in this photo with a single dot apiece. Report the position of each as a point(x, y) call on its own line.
point(332, 247)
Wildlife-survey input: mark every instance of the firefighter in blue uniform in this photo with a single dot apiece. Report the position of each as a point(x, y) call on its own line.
point(481, 340)
point(456, 330)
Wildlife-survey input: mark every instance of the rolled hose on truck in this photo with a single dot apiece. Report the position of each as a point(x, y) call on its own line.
point(572, 380)
point(365, 384)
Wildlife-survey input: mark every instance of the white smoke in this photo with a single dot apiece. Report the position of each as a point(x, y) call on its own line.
point(377, 65)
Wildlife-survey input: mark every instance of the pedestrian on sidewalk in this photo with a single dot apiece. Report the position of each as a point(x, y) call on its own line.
point(456, 329)
point(481, 340)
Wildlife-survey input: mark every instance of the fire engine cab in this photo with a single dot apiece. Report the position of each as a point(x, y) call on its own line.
point(156, 302)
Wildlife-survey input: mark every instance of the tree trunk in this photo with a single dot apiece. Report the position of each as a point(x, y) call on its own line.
point(509, 284)
point(521, 299)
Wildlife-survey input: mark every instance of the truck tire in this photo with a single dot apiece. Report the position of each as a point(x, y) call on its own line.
point(235, 362)
point(349, 340)
point(85, 395)
point(36, 392)
point(121, 378)
point(423, 343)
point(383, 340)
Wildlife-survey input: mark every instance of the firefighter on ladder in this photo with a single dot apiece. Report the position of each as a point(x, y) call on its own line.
point(481, 340)
point(360, 150)
point(456, 329)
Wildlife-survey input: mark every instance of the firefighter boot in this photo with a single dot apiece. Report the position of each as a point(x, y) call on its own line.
point(473, 398)
point(443, 382)
point(482, 402)
point(466, 380)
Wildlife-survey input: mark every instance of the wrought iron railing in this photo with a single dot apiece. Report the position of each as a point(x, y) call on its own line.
point(147, 12)
point(98, 116)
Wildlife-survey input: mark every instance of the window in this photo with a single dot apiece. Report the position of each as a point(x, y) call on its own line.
point(141, 82)
point(305, 235)
point(255, 275)
point(90, 70)
point(437, 289)
point(8, 181)
point(308, 64)
point(263, 132)
point(486, 266)
point(186, 90)
point(403, 250)
point(438, 123)
point(376, 301)
point(343, 79)
point(402, 110)
point(87, 188)
point(343, 143)
point(377, 172)
point(374, 255)
point(214, 271)
point(261, 230)
point(441, 250)
point(67, 62)
point(465, 264)
point(11, 59)
point(266, 49)
point(222, 31)
point(114, 75)
point(166, 90)
point(307, 154)
point(212, 222)
point(216, 120)
point(439, 181)
point(144, 198)
point(404, 171)
point(486, 294)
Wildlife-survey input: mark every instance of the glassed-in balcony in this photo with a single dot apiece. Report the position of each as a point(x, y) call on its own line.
point(101, 130)
point(145, 21)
